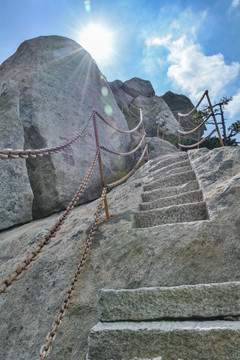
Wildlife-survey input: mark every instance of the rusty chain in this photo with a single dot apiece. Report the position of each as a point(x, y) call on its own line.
point(29, 153)
point(16, 274)
point(46, 348)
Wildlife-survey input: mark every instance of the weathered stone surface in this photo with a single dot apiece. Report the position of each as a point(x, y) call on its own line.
point(156, 147)
point(182, 302)
point(173, 340)
point(156, 113)
point(218, 173)
point(181, 104)
point(121, 257)
point(137, 86)
point(15, 191)
point(59, 86)
point(122, 98)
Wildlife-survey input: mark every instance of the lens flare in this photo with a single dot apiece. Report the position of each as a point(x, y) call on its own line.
point(97, 40)
point(87, 5)
point(108, 109)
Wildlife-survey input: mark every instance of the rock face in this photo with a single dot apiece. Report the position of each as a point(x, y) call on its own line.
point(122, 257)
point(123, 99)
point(136, 86)
point(159, 112)
point(181, 104)
point(15, 191)
point(158, 118)
point(59, 86)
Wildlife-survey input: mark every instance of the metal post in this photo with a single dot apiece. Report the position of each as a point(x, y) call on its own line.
point(179, 134)
point(145, 141)
point(214, 118)
point(100, 162)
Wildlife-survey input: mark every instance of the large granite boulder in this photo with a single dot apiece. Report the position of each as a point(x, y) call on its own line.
point(16, 195)
point(179, 103)
point(158, 118)
point(59, 86)
point(122, 98)
point(121, 257)
point(137, 86)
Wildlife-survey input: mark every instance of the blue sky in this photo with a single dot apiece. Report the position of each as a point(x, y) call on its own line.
point(180, 45)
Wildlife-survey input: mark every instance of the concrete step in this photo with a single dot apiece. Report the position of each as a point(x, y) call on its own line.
point(171, 180)
point(163, 161)
point(166, 169)
point(201, 301)
point(163, 172)
point(188, 197)
point(171, 214)
point(171, 191)
point(187, 340)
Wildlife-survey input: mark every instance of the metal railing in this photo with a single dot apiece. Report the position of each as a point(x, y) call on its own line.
point(18, 272)
point(212, 114)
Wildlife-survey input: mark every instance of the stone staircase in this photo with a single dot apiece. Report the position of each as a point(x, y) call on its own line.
point(188, 322)
point(172, 194)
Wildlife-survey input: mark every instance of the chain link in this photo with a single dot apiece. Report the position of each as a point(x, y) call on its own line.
point(33, 154)
point(51, 336)
point(6, 284)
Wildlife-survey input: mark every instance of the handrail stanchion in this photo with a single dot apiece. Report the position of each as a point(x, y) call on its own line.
point(214, 118)
point(145, 141)
point(100, 163)
point(179, 134)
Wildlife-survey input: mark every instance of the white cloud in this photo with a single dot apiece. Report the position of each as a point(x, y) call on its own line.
point(235, 3)
point(233, 108)
point(192, 71)
point(164, 41)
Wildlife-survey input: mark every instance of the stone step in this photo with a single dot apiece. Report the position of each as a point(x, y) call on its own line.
point(172, 214)
point(188, 197)
point(169, 159)
point(171, 180)
point(187, 340)
point(201, 301)
point(163, 172)
point(172, 191)
point(166, 169)
point(163, 161)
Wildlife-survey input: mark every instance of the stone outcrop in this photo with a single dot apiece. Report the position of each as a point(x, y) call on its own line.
point(158, 118)
point(159, 112)
point(122, 257)
point(123, 99)
point(16, 195)
point(136, 86)
point(182, 104)
point(59, 86)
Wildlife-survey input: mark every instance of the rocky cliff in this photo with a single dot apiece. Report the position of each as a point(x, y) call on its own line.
point(49, 87)
point(160, 113)
point(122, 256)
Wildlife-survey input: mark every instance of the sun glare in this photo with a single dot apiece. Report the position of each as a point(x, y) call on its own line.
point(97, 40)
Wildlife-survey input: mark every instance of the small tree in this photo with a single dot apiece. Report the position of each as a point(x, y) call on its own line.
point(218, 109)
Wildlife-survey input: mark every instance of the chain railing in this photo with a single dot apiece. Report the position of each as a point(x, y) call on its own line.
point(25, 264)
point(212, 114)
point(29, 153)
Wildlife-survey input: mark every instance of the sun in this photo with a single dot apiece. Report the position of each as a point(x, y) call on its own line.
point(97, 40)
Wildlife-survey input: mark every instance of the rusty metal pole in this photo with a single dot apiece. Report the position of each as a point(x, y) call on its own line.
point(214, 118)
point(179, 134)
point(100, 162)
point(145, 141)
